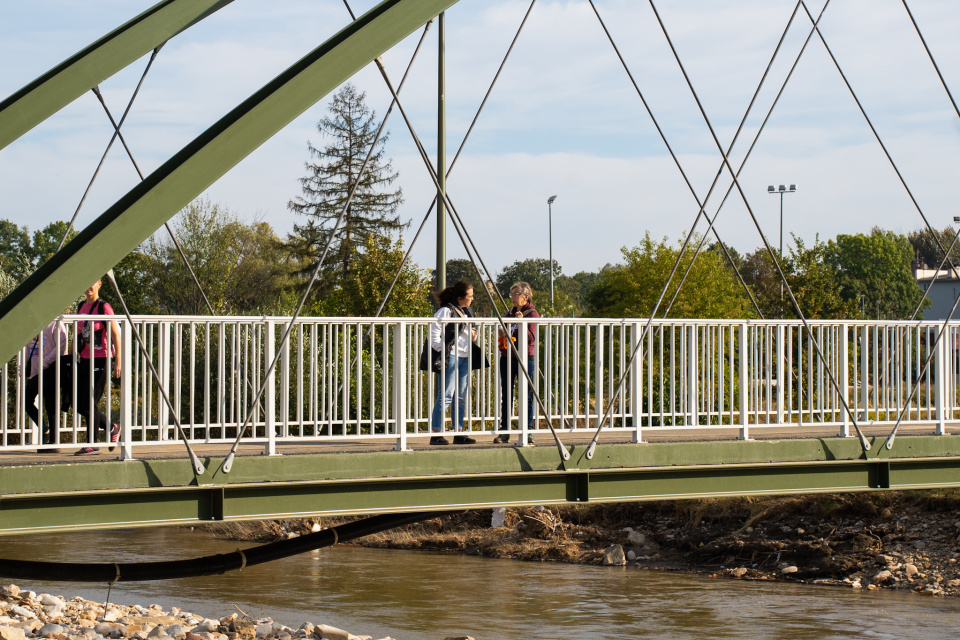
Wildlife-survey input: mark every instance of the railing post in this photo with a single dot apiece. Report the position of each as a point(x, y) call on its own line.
point(844, 346)
point(636, 382)
point(781, 361)
point(744, 383)
point(940, 366)
point(693, 376)
point(270, 388)
point(126, 389)
point(402, 365)
point(598, 378)
point(523, 387)
point(163, 358)
point(864, 373)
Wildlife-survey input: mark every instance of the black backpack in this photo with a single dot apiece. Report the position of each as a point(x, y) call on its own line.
point(83, 337)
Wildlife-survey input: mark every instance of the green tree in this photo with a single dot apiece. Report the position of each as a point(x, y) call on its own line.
point(242, 268)
point(361, 291)
point(332, 172)
point(874, 272)
point(46, 241)
point(15, 251)
point(631, 289)
point(925, 249)
point(814, 281)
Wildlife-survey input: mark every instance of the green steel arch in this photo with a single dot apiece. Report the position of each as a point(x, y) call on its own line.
point(139, 213)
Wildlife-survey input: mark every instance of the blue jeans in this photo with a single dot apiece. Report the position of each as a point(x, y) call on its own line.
point(455, 381)
point(507, 383)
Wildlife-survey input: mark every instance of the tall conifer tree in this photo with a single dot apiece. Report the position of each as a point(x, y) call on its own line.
point(331, 174)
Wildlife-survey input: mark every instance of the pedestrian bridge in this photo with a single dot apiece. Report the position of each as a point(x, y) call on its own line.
point(705, 408)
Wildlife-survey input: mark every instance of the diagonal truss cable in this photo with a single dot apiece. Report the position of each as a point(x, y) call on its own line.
point(603, 419)
point(914, 386)
point(464, 238)
point(461, 231)
point(946, 252)
point(166, 225)
point(227, 464)
point(198, 468)
point(113, 138)
point(833, 381)
point(406, 257)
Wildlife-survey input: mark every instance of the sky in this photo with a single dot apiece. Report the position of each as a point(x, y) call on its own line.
point(563, 119)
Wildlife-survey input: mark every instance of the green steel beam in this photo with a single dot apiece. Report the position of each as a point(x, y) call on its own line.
point(54, 497)
point(63, 84)
point(198, 165)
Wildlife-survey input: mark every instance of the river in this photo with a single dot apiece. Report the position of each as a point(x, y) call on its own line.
point(419, 595)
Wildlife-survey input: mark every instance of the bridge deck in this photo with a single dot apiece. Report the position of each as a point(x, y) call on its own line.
point(52, 492)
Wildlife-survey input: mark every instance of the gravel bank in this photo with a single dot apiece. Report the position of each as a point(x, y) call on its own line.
point(25, 614)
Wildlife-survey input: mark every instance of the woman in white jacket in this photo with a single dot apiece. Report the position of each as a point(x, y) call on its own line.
point(452, 342)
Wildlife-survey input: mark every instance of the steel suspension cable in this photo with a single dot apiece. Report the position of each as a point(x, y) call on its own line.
point(198, 468)
point(833, 381)
point(113, 138)
point(893, 164)
point(914, 386)
point(461, 231)
point(227, 464)
point(603, 419)
point(166, 225)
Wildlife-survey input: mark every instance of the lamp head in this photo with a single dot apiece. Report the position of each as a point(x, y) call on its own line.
point(783, 187)
point(551, 199)
point(770, 189)
point(793, 187)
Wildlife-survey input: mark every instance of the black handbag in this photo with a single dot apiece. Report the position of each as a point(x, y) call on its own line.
point(430, 359)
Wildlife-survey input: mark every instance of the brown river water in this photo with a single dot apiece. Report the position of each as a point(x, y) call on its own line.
point(419, 595)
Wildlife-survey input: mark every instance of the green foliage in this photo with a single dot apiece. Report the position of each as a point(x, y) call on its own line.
point(814, 281)
point(242, 268)
point(874, 271)
point(926, 250)
point(631, 289)
point(325, 190)
point(361, 290)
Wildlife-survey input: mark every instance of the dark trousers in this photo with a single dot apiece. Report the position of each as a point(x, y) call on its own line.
point(49, 400)
point(508, 380)
point(84, 385)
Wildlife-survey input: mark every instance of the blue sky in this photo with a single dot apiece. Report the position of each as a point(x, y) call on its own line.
point(562, 120)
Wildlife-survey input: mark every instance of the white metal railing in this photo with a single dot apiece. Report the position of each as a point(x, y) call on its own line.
point(358, 378)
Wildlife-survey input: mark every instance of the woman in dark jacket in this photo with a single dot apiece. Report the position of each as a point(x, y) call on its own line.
point(454, 341)
point(521, 295)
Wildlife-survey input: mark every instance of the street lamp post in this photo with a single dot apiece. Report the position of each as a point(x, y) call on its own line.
point(781, 190)
point(550, 233)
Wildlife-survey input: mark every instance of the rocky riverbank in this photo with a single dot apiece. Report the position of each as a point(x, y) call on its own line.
point(906, 540)
point(25, 614)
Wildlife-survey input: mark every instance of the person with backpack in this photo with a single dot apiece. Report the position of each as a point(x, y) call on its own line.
point(92, 343)
point(44, 350)
point(452, 343)
point(521, 295)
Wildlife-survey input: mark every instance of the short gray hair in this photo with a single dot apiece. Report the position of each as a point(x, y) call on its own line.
point(523, 288)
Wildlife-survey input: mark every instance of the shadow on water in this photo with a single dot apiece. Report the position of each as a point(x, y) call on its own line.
point(417, 595)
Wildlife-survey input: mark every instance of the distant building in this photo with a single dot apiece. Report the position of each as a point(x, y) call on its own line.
point(942, 289)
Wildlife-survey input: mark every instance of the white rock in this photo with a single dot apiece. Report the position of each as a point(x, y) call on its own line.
point(748, 530)
point(631, 555)
point(613, 555)
point(112, 614)
point(208, 625)
point(264, 629)
point(30, 626)
point(637, 538)
point(51, 601)
point(53, 613)
point(23, 612)
point(498, 518)
point(330, 633)
point(790, 569)
point(176, 631)
point(316, 527)
point(882, 576)
point(10, 591)
point(910, 569)
point(50, 629)
point(158, 632)
point(739, 572)
point(11, 633)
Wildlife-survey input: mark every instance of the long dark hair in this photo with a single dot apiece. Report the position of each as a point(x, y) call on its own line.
point(453, 293)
